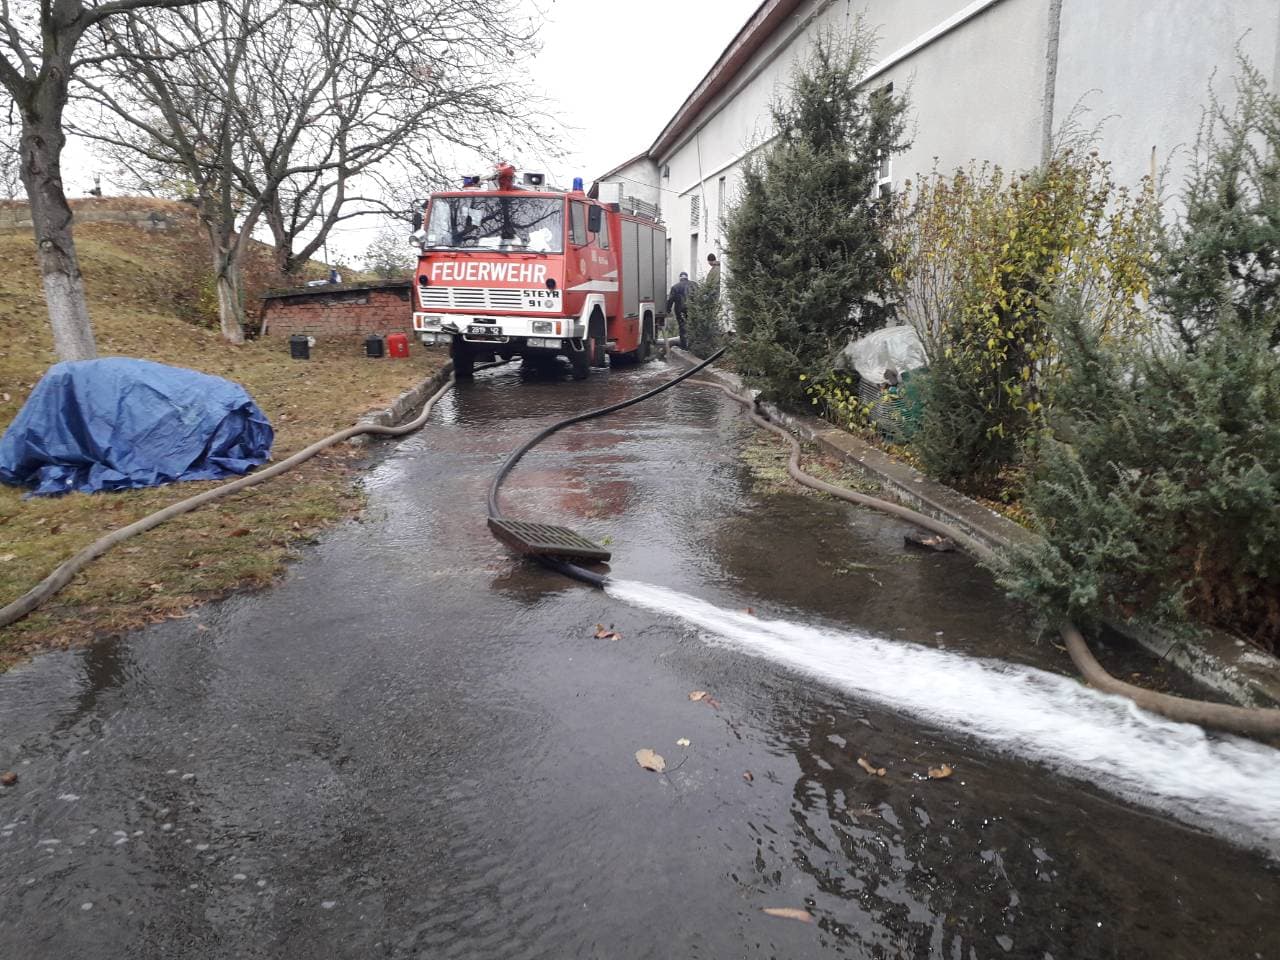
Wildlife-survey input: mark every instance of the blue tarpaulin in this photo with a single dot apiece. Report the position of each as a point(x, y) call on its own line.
point(117, 423)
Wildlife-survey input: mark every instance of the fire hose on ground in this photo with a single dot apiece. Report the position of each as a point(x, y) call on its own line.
point(1246, 720)
point(1259, 722)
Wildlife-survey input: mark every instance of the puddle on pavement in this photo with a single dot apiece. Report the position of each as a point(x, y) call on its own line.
point(414, 746)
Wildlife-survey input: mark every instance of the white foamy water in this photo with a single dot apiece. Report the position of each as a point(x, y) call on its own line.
point(1225, 784)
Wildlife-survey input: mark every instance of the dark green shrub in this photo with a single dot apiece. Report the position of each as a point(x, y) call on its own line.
point(1158, 484)
point(704, 327)
point(807, 264)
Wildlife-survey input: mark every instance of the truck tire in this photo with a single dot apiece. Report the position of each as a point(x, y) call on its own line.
point(645, 351)
point(580, 362)
point(597, 340)
point(464, 361)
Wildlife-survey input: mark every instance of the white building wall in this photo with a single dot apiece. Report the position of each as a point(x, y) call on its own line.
point(1144, 71)
point(638, 179)
point(976, 73)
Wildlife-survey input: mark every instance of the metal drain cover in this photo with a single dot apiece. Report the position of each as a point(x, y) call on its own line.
point(546, 539)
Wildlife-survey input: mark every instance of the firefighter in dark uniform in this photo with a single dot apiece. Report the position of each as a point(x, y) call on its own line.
point(678, 303)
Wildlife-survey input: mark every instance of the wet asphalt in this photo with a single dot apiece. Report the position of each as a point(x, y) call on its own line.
point(414, 746)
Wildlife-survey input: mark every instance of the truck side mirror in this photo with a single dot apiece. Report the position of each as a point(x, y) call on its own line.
point(594, 218)
point(417, 220)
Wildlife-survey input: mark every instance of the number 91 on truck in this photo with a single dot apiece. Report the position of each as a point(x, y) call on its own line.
point(509, 269)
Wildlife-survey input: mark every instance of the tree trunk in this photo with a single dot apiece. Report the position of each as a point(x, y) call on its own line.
point(230, 286)
point(42, 142)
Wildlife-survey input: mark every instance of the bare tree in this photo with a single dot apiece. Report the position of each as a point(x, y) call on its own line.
point(10, 162)
point(296, 115)
point(37, 63)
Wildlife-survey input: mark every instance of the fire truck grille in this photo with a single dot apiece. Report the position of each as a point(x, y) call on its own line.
point(470, 298)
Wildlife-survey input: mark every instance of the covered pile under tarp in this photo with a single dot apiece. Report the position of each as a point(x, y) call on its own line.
point(894, 348)
point(117, 423)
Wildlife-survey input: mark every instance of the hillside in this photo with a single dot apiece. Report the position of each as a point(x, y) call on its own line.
point(148, 295)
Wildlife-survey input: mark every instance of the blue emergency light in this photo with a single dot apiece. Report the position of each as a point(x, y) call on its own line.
point(471, 181)
point(577, 184)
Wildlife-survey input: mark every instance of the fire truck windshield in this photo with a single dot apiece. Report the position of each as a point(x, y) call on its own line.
point(496, 222)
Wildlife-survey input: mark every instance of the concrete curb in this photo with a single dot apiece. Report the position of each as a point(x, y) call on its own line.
point(1222, 662)
point(405, 404)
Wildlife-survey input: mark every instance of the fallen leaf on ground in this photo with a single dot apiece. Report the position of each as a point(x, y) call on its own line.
point(650, 760)
point(750, 611)
point(940, 773)
point(239, 532)
point(871, 768)
point(609, 634)
point(789, 913)
point(6, 557)
point(682, 742)
point(695, 695)
point(747, 776)
point(8, 778)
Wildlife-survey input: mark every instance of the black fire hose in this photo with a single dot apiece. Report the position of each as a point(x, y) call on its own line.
point(495, 511)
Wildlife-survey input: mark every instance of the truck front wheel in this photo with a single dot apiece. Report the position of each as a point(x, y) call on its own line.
point(580, 362)
point(464, 361)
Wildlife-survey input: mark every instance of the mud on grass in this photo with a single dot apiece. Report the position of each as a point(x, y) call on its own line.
point(243, 541)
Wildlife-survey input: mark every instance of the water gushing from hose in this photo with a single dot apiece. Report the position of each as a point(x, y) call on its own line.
point(1225, 784)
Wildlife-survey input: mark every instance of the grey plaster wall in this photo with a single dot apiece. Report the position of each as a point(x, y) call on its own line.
point(976, 92)
point(1143, 72)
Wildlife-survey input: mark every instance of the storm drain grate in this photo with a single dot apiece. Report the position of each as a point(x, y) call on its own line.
point(546, 540)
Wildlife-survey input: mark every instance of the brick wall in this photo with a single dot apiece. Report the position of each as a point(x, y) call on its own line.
point(341, 309)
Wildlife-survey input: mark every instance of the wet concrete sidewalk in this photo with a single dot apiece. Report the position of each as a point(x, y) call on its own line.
point(414, 746)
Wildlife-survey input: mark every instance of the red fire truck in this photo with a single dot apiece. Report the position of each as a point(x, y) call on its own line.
point(511, 269)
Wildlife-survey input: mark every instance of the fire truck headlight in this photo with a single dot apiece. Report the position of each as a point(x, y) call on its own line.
point(542, 326)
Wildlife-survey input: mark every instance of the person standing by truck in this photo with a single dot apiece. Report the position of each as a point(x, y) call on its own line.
point(678, 303)
point(713, 275)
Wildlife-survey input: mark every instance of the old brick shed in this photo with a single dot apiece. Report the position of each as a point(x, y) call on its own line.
point(339, 309)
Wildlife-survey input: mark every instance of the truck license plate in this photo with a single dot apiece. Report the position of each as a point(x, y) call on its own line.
point(482, 331)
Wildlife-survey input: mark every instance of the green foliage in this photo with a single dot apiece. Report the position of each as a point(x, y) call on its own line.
point(808, 268)
point(834, 397)
point(1226, 250)
point(704, 327)
point(1157, 492)
point(978, 256)
point(1157, 488)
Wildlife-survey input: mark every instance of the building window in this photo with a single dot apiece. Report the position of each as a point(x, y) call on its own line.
point(693, 256)
point(720, 206)
point(884, 171)
point(884, 179)
point(695, 210)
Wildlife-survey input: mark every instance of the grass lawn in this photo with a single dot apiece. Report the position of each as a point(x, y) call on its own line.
point(244, 541)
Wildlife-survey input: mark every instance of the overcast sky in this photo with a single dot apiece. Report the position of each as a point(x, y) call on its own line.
point(619, 71)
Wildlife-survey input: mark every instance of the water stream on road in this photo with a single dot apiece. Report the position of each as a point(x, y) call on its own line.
point(1226, 784)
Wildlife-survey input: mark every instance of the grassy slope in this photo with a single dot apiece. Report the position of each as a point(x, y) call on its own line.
point(131, 278)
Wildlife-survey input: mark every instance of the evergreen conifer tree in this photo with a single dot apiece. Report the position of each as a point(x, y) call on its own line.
point(808, 269)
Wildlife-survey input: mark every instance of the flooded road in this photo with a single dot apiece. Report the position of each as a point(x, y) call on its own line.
point(415, 747)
